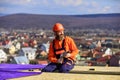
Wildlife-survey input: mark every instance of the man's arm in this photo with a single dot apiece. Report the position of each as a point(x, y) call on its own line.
point(51, 55)
point(73, 49)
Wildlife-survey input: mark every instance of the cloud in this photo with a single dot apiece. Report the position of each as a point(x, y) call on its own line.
point(68, 2)
point(43, 2)
point(90, 7)
point(96, 7)
point(60, 6)
point(94, 4)
point(2, 9)
point(16, 2)
point(106, 8)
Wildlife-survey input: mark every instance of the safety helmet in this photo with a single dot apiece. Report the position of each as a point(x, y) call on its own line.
point(58, 27)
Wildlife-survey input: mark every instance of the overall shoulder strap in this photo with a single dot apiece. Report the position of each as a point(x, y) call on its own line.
point(63, 46)
point(55, 50)
point(53, 45)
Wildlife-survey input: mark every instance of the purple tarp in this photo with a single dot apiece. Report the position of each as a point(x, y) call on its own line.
point(15, 74)
point(8, 71)
point(20, 66)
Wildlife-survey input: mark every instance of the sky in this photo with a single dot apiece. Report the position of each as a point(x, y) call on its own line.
point(60, 7)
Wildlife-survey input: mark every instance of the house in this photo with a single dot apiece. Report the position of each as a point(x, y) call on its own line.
point(3, 56)
point(108, 52)
point(9, 49)
point(42, 50)
point(29, 52)
point(44, 47)
point(12, 50)
point(18, 46)
point(98, 44)
point(19, 60)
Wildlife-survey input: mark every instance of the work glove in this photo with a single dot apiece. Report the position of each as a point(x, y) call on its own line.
point(67, 55)
point(60, 61)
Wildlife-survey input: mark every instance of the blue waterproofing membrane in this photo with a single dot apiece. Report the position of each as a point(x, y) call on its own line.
point(8, 71)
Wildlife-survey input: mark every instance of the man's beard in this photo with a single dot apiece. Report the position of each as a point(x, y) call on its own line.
point(60, 37)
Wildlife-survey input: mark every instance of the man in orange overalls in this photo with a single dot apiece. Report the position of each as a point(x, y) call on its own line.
point(62, 51)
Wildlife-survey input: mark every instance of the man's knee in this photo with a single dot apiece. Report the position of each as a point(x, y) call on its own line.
point(66, 69)
point(49, 68)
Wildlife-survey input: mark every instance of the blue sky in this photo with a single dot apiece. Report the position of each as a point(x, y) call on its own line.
point(65, 7)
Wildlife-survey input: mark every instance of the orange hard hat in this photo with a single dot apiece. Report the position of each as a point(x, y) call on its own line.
point(58, 27)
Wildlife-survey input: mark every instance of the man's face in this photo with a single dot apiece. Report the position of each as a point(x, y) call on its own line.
point(59, 35)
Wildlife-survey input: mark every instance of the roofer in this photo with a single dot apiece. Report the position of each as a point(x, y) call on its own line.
point(62, 51)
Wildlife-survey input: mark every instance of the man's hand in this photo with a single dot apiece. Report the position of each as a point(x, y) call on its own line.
point(60, 60)
point(67, 55)
point(64, 55)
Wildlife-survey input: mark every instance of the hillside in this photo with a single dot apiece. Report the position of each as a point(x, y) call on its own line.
point(25, 21)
